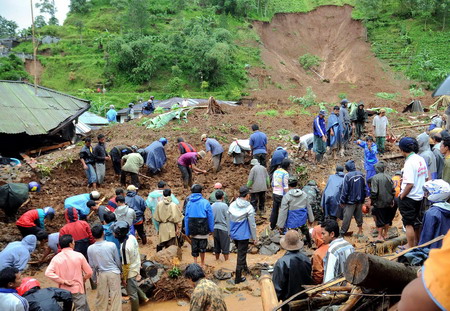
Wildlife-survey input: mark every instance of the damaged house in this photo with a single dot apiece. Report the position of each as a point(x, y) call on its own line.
point(29, 121)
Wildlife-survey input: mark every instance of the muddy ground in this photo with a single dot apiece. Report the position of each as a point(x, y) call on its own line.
point(351, 67)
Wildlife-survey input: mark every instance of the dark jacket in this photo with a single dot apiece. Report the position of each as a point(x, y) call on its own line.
point(382, 189)
point(87, 155)
point(332, 194)
point(184, 147)
point(46, 299)
point(199, 218)
point(353, 185)
point(290, 273)
point(100, 153)
point(435, 223)
point(137, 203)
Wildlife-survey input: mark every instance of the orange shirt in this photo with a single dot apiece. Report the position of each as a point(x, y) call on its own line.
point(436, 274)
point(319, 255)
point(397, 183)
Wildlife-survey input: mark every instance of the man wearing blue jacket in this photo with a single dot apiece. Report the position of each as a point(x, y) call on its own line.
point(242, 228)
point(80, 203)
point(156, 156)
point(198, 222)
point(332, 194)
point(277, 157)
point(17, 254)
point(352, 197)
point(137, 203)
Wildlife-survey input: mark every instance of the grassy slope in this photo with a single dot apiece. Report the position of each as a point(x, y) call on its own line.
point(79, 68)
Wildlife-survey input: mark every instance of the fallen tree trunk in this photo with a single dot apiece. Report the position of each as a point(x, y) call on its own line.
point(377, 273)
point(317, 302)
point(385, 247)
point(411, 126)
point(268, 294)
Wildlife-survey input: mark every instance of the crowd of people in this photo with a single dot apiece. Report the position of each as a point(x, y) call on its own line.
point(107, 252)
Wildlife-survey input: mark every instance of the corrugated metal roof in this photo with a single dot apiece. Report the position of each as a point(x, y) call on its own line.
point(23, 111)
point(91, 118)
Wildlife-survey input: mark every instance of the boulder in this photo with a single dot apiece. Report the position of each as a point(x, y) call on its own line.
point(270, 249)
point(167, 255)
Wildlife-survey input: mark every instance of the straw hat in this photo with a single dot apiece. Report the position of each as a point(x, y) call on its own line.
point(291, 241)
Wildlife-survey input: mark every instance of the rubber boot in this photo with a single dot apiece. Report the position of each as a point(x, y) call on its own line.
point(239, 278)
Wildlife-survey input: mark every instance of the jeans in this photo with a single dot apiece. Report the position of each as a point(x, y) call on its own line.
point(257, 200)
point(275, 209)
point(354, 210)
point(380, 143)
point(132, 291)
point(100, 169)
point(90, 174)
point(80, 302)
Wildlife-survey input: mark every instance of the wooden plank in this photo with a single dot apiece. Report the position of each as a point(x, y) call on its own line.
point(30, 161)
point(48, 148)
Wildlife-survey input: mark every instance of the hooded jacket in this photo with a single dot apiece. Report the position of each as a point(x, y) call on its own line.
point(318, 255)
point(294, 210)
point(332, 194)
point(32, 218)
point(46, 299)
point(353, 185)
point(435, 223)
point(79, 229)
point(199, 218)
point(425, 152)
point(439, 160)
point(242, 220)
point(137, 203)
point(153, 199)
point(156, 156)
point(125, 213)
point(370, 155)
point(382, 188)
point(17, 254)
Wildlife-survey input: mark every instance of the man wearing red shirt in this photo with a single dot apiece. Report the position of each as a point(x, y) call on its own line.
point(79, 230)
point(32, 222)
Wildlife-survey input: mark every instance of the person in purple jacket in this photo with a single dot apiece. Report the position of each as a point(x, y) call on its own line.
point(186, 163)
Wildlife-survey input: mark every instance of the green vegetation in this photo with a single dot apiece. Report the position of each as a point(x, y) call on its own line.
point(283, 132)
point(306, 101)
point(269, 113)
point(174, 273)
point(309, 61)
point(388, 96)
point(11, 68)
point(243, 129)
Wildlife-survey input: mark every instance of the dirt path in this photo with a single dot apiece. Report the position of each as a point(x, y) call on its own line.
point(330, 33)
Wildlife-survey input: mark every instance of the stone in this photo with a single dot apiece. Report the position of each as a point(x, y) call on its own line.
point(270, 249)
point(222, 275)
point(256, 292)
point(165, 256)
point(275, 237)
point(253, 250)
point(182, 303)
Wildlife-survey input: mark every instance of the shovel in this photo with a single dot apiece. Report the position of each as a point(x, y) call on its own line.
point(323, 79)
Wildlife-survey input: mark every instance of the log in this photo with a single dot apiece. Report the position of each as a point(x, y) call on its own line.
point(411, 126)
point(391, 156)
point(385, 247)
point(377, 273)
point(48, 148)
point(317, 302)
point(268, 294)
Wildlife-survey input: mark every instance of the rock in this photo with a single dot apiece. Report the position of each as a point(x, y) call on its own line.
point(253, 250)
point(166, 255)
point(363, 239)
point(242, 299)
point(182, 303)
point(275, 237)
point(222, 275)
point(256, 292)
point(270, 249)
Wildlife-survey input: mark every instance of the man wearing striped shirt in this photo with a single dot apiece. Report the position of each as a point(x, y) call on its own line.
point(338, 251)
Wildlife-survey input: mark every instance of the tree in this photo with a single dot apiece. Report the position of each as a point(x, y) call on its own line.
point(39, 21)
point(80, 26)
point(48, 7)
point(7, 27)
point(80, 6)
point(137, 16)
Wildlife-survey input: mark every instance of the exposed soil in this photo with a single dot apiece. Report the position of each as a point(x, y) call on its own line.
point(330, 33)
point(29, 67)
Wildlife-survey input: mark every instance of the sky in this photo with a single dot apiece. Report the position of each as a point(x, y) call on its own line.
point(20, 11)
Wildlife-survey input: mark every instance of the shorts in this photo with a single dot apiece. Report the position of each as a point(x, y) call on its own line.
point(198, 246)
point(411, 211)
point(221, 242)
point(384, 216)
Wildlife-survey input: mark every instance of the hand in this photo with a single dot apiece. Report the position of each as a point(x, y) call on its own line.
point(85, 167)
point(204, 172)
point(108, 158)
point(324, 138)
point(124, 283)
point(138, 277)
point(256, 242)
point(68, 282)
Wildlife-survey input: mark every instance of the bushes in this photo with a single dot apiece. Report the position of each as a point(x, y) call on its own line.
point(12, 68)
point(309, 61)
